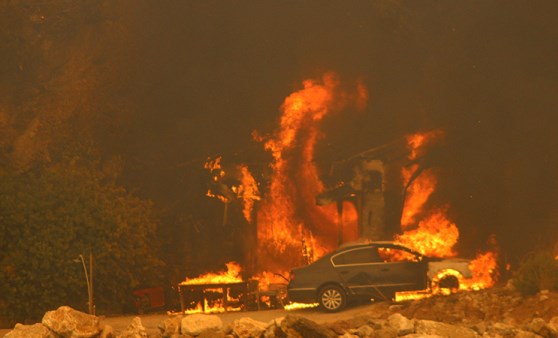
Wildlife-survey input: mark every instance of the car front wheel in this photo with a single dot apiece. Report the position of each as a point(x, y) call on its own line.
point(332, 298)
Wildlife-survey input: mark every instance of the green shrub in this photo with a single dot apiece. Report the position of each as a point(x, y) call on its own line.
point(539, 271)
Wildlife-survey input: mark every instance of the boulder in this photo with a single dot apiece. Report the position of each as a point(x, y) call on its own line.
point(430, 327)
point(134, 330)
point(339, 327)
point(539, 326)
point(30, 331)
point(348, 335)
point(385, 332)
point(401, 324)
point(553, 323)
point(273, 328)
point(107, 332)
point(212, 333)
point(70, 323)
point(247, 327)
point(195, 324)
point(295, 326)
point(525, 334)
point(502, 330)
point(170, 326)
point(365, 331)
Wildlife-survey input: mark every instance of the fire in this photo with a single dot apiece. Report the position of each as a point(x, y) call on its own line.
point(435, 235)
point(483, 268)
point(232, 275)
point(290, 224)
point(417, 194)
point(246, 191)
point(298, 306)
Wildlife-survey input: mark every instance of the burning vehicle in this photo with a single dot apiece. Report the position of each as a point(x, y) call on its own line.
point(375, 270)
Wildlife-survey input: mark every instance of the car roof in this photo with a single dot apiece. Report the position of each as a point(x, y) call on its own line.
point(352, 245)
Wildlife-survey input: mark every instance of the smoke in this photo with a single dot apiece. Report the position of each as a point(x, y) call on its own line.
point(207, 74)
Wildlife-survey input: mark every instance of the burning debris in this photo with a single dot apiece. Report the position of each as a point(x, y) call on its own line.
point(213, 292)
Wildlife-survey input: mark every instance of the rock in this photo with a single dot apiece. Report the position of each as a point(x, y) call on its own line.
point(365, 331)
point(395, 307)
point(170, 326)
point(68, 322)
point(195, 324)
point(272, 328)
point(349, 335)
point(134, 330)
point(211, 333)
point(377, 324)
point(525, 334)
point(442, 329)
point(480, 327)
point(339, 327)
point(401, 324)
point(107, 332)
point(386, 332)
point(247, 327)
point(502, 330)
point(30, 331)
point(553, 323)
point(419, 335)
point(539, 326)
point(295, 326)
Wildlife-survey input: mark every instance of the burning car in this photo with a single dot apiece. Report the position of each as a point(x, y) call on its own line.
point(375, 270)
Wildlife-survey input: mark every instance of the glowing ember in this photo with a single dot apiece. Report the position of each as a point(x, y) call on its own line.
point(292, 229)
point(232, 275)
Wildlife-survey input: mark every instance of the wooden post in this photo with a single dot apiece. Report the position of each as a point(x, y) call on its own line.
point(340, 221)
point(181, 294)
point(91, 302)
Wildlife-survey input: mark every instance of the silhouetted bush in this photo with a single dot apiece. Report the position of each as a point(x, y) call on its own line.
point(539, 271)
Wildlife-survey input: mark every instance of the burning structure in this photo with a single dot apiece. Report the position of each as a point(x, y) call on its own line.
point(380, 194)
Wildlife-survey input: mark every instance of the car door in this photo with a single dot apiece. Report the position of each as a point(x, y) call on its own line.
point(358, 269)
point(401, 269)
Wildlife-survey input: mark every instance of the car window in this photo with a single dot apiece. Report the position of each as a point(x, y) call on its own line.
point(389, 254)
point(357, 256)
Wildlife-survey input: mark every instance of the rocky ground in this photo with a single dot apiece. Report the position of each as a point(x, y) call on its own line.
point(497, 312)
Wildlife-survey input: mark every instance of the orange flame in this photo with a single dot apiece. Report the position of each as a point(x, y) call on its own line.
point(435, 235)
point(483, 268)
point(248, 191)
point(232, 275)
point(290, 224)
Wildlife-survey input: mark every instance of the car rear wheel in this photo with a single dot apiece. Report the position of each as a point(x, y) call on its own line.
point(332, 298)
